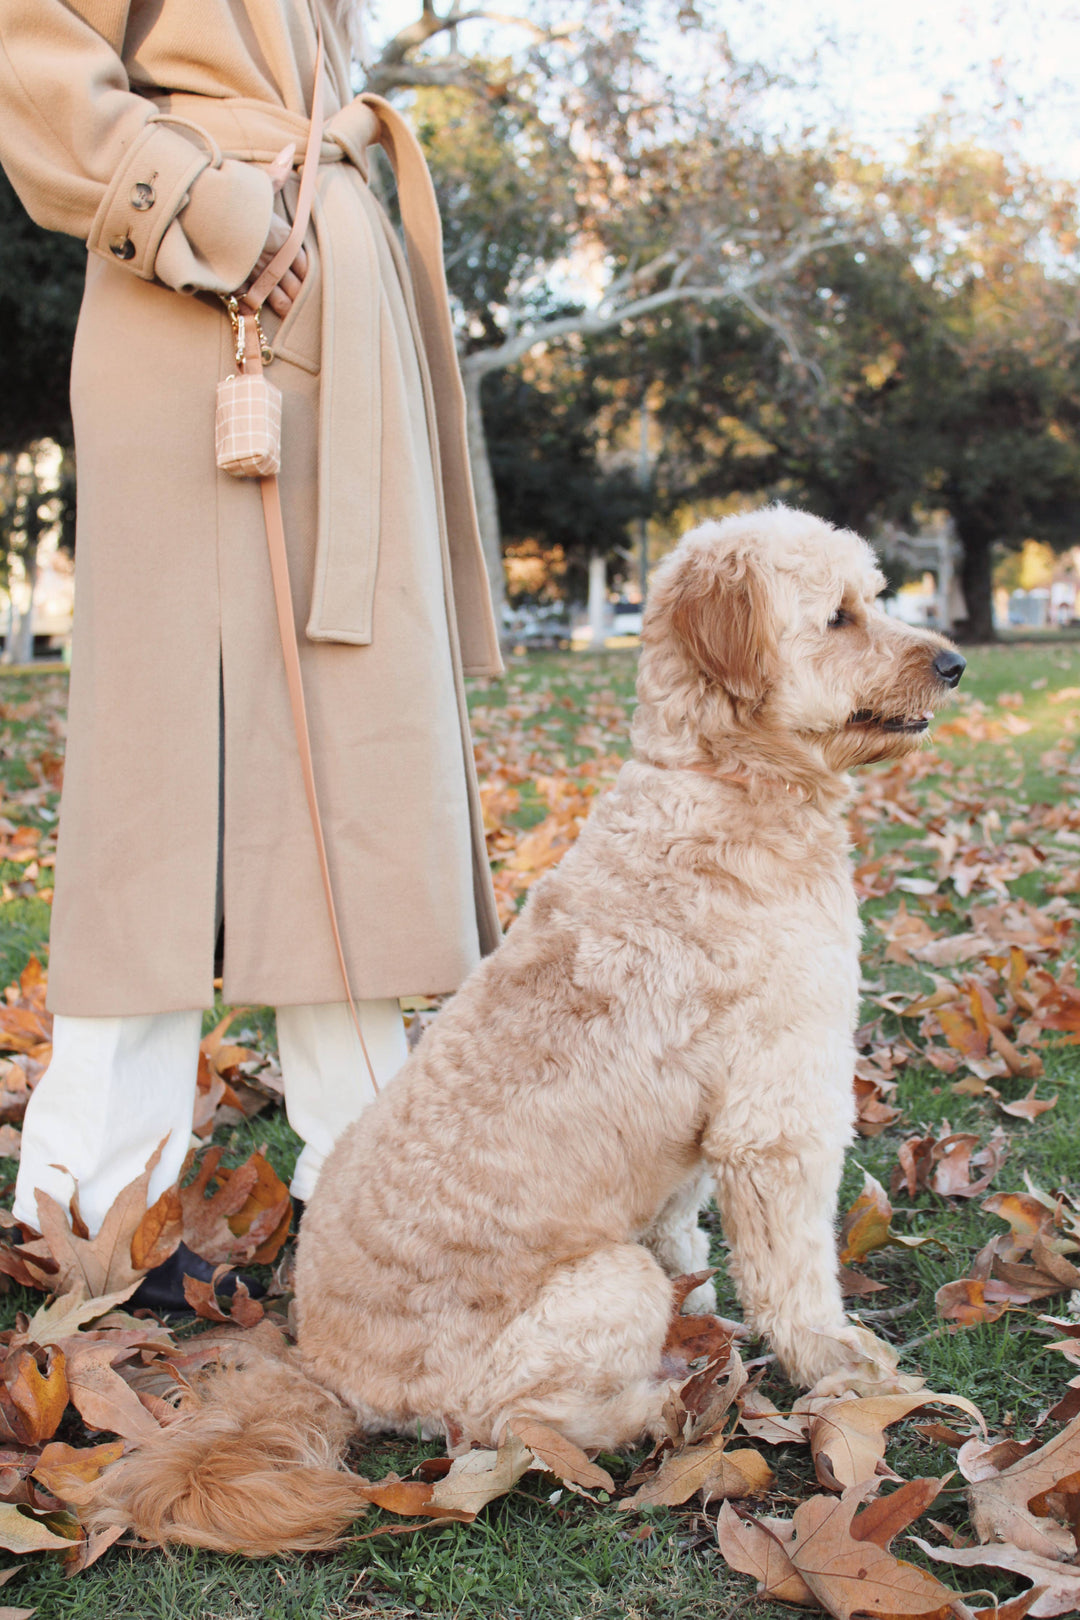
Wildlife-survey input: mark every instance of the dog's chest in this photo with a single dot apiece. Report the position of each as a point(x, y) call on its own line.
point(790, 949)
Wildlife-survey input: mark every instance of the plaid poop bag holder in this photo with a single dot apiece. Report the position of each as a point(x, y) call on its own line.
point(247, 423)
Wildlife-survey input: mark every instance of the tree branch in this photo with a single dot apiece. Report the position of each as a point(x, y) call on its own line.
point(393, 70)
point(602, 318)
point(783, 332)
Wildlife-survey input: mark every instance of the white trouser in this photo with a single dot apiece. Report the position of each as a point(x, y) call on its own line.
point(117, 1086)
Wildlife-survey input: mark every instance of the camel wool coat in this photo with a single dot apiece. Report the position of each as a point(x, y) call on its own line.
point(140, 126)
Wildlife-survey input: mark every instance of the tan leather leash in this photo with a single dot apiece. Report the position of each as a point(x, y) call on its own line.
point(253, 300)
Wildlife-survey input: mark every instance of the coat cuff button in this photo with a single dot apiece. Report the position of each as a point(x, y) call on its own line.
point(142, 195)
point(122, 248)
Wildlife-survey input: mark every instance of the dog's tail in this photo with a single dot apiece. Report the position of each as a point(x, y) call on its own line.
point(253, 1464)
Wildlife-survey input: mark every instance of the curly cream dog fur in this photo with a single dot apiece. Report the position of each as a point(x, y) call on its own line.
point(671, 1014)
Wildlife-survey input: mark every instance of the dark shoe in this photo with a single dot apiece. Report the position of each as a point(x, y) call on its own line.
point(162, 1289)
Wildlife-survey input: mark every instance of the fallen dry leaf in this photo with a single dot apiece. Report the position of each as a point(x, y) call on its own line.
point(101, 1265)
point(102, 1398)
point(867, 1225)
point(409, 1497)
point(1056, 1586)
point(63, 1316)
point(758, 1547)
point(560, 1456)
point(1000, 1505)
point(1027, 1216)
point(707, 1468)
point(264, 1218)
point(840, 1559)
point(847, 1436)
point(203, 1299)
point(971, 1300)
point(34, 1394)
point(1029, 1107)
point(69, 1471)
point(88, 1551)
point(480, 1476)
point(760, 1419)
point(21, 1533)
point(159, 1232)
point(943, 1163)
point(851, 1575)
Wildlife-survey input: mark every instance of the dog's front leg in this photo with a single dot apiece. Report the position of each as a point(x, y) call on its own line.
point(778, 1204)
point(678, 1243)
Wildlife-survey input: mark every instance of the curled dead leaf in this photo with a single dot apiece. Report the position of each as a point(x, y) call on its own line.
point(69, 1471)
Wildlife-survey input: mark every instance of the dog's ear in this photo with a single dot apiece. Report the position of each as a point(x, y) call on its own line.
point(727, 625)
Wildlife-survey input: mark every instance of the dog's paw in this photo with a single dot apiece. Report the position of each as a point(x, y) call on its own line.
point(859, 1363)
point(702, 1302)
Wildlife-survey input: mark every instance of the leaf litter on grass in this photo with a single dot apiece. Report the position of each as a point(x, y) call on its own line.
point(937, 843)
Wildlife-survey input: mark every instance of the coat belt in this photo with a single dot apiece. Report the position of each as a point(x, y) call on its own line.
point(350, 429)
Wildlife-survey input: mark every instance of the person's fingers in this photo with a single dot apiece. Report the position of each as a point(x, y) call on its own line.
point(276, 237)
point(279, 302)
point(281, 167)
point(290, 285)
point(300, 264)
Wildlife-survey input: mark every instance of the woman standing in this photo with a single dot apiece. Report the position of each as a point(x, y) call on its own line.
point(160, 132)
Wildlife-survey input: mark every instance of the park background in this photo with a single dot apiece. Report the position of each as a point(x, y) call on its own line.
point(701, 257)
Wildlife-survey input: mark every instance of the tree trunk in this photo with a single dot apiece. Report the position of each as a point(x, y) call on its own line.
point(975, 577)
point(487, 506)
point(597, 600)
point(21, 637)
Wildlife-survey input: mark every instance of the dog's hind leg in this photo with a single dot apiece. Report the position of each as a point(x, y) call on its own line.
point(676, 1240)
point(585, 1358)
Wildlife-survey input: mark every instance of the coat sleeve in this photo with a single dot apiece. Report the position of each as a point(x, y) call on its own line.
point(89, 157)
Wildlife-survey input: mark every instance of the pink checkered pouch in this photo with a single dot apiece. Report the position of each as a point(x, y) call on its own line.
point(247, 427)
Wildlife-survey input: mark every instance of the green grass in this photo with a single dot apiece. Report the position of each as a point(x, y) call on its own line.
point(527, 1555)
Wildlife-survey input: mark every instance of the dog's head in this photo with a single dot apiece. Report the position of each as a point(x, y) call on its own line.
point(765, 629)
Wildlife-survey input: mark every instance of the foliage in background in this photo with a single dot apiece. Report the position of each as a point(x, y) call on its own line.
point(621, 218)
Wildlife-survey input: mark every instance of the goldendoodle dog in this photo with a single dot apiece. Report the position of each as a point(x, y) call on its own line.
point(670, 1017)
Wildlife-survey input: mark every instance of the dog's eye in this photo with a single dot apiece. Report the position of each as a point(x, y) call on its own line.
point(840, 618)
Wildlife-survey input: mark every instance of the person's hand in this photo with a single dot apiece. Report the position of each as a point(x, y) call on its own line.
point(288, 288)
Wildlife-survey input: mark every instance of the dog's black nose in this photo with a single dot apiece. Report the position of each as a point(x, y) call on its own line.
point(949, 666)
